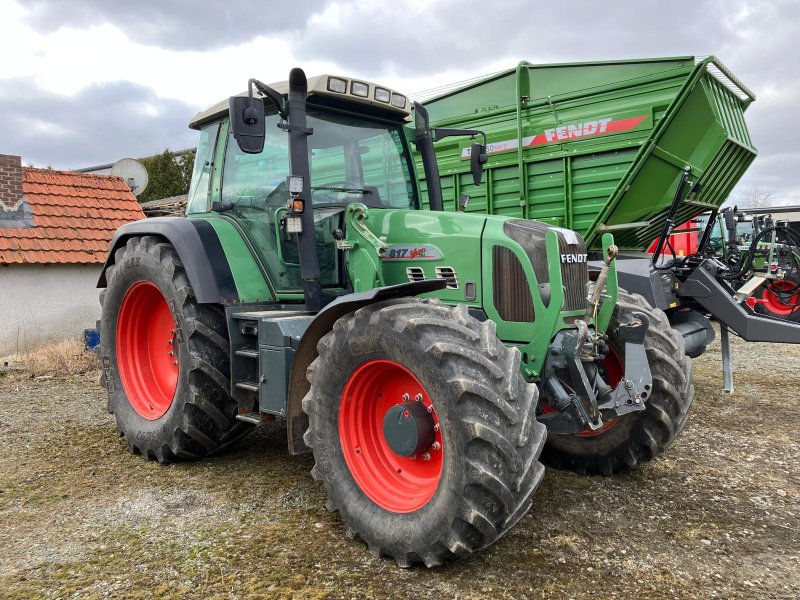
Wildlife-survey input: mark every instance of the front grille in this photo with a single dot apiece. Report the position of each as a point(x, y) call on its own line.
point(575, 275)
point(511, 292)
point(531, 236)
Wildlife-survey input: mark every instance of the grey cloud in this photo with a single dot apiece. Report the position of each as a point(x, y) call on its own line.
point(178, 24)
point(456, 34)
point(100, 124)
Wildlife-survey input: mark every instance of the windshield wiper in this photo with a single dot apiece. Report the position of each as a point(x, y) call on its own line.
point(348, 190)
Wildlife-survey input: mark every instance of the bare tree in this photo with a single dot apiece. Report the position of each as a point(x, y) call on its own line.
point(756, 196)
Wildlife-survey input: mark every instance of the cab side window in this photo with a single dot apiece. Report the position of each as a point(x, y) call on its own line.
point(201, 175)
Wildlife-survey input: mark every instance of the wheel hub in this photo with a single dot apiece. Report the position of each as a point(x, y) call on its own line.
point(409, 428)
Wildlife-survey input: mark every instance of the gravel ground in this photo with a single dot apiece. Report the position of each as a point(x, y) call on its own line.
point(714, 517)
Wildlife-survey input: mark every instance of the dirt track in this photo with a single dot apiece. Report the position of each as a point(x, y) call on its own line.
point(716, 516)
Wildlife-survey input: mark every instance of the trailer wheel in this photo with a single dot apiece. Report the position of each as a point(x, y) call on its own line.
point(165, 357)
point(779, 299)
point(628, 441)
point(423, 430)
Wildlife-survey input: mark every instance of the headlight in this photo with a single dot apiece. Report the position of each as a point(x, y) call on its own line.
point(337, 85)
point(358, 88)
point(398, 100)
point(382, 95)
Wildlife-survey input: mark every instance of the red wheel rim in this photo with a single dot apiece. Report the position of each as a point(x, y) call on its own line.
point(776, 304)
point(147, 350)
point(395, 483)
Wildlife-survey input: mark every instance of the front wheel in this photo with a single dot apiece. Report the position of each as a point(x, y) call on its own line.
point(637, 437)
point(423, 430)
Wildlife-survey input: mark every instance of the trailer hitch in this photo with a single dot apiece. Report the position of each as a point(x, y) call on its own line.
point(585, 400)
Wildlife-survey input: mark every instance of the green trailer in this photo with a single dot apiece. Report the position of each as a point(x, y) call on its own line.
point(598, 147)
point(629, 147)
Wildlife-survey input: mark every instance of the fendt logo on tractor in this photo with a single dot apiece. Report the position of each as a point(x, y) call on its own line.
point(573, 258)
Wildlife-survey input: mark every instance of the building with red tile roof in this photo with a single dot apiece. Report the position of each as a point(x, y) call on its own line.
point(55, 227)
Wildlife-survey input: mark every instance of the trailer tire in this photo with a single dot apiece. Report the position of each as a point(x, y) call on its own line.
point(175, 400)
point(637, 437)
point(490, 441)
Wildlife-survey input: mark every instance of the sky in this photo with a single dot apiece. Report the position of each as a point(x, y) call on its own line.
point(87, 82)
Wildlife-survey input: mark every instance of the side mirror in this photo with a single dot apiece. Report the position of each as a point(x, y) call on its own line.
point(477, 158)
point(248, 123)
point(421, 122)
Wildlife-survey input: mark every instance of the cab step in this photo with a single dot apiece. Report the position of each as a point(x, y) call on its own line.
point(253, 417)
point(250, 386)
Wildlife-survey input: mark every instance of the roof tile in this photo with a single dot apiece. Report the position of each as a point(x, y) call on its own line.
point(75, 216)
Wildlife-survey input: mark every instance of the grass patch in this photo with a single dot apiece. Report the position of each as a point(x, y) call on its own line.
point(65, 357)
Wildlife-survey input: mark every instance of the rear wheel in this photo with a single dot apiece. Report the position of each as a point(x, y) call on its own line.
point(423, 430)
point(165, 357)
point(638, 437)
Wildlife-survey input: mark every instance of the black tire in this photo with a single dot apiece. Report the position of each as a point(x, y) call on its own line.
point(491, 439)
point(201, 418)
point(637, 437)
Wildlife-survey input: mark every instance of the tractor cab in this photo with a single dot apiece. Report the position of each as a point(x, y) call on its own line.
point(350, 149)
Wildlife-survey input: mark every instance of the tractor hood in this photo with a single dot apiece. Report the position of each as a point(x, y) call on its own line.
point(523, 275)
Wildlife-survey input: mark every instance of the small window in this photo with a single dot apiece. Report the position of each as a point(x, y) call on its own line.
point(201, 175)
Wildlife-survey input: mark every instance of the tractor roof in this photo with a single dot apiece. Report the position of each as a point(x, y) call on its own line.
point(326, 85)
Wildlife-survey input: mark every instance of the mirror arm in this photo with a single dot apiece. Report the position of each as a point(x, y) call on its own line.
point(440, 133)
point(267, 92)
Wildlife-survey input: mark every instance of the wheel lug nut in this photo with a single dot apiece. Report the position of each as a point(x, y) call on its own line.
point(169, 341)
point(430, 409)
point(436, 445)
point(405, 397)
point(171, 353)
point(418, 397)
point(436, 427)
point(174, 363)
point(172, 331)
point(426, 456)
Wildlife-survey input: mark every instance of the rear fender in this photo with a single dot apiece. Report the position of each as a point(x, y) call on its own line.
point(296, 419)
point(199, 249)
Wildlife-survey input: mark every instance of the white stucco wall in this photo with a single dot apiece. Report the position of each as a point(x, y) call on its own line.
point(46, 302)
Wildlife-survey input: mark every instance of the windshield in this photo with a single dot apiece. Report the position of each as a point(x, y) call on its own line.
point(352, 159)
point(356, 160)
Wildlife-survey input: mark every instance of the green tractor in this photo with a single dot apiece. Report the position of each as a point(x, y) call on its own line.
point(405, 348)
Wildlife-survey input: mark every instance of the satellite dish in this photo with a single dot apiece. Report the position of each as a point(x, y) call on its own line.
point(132, 172)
